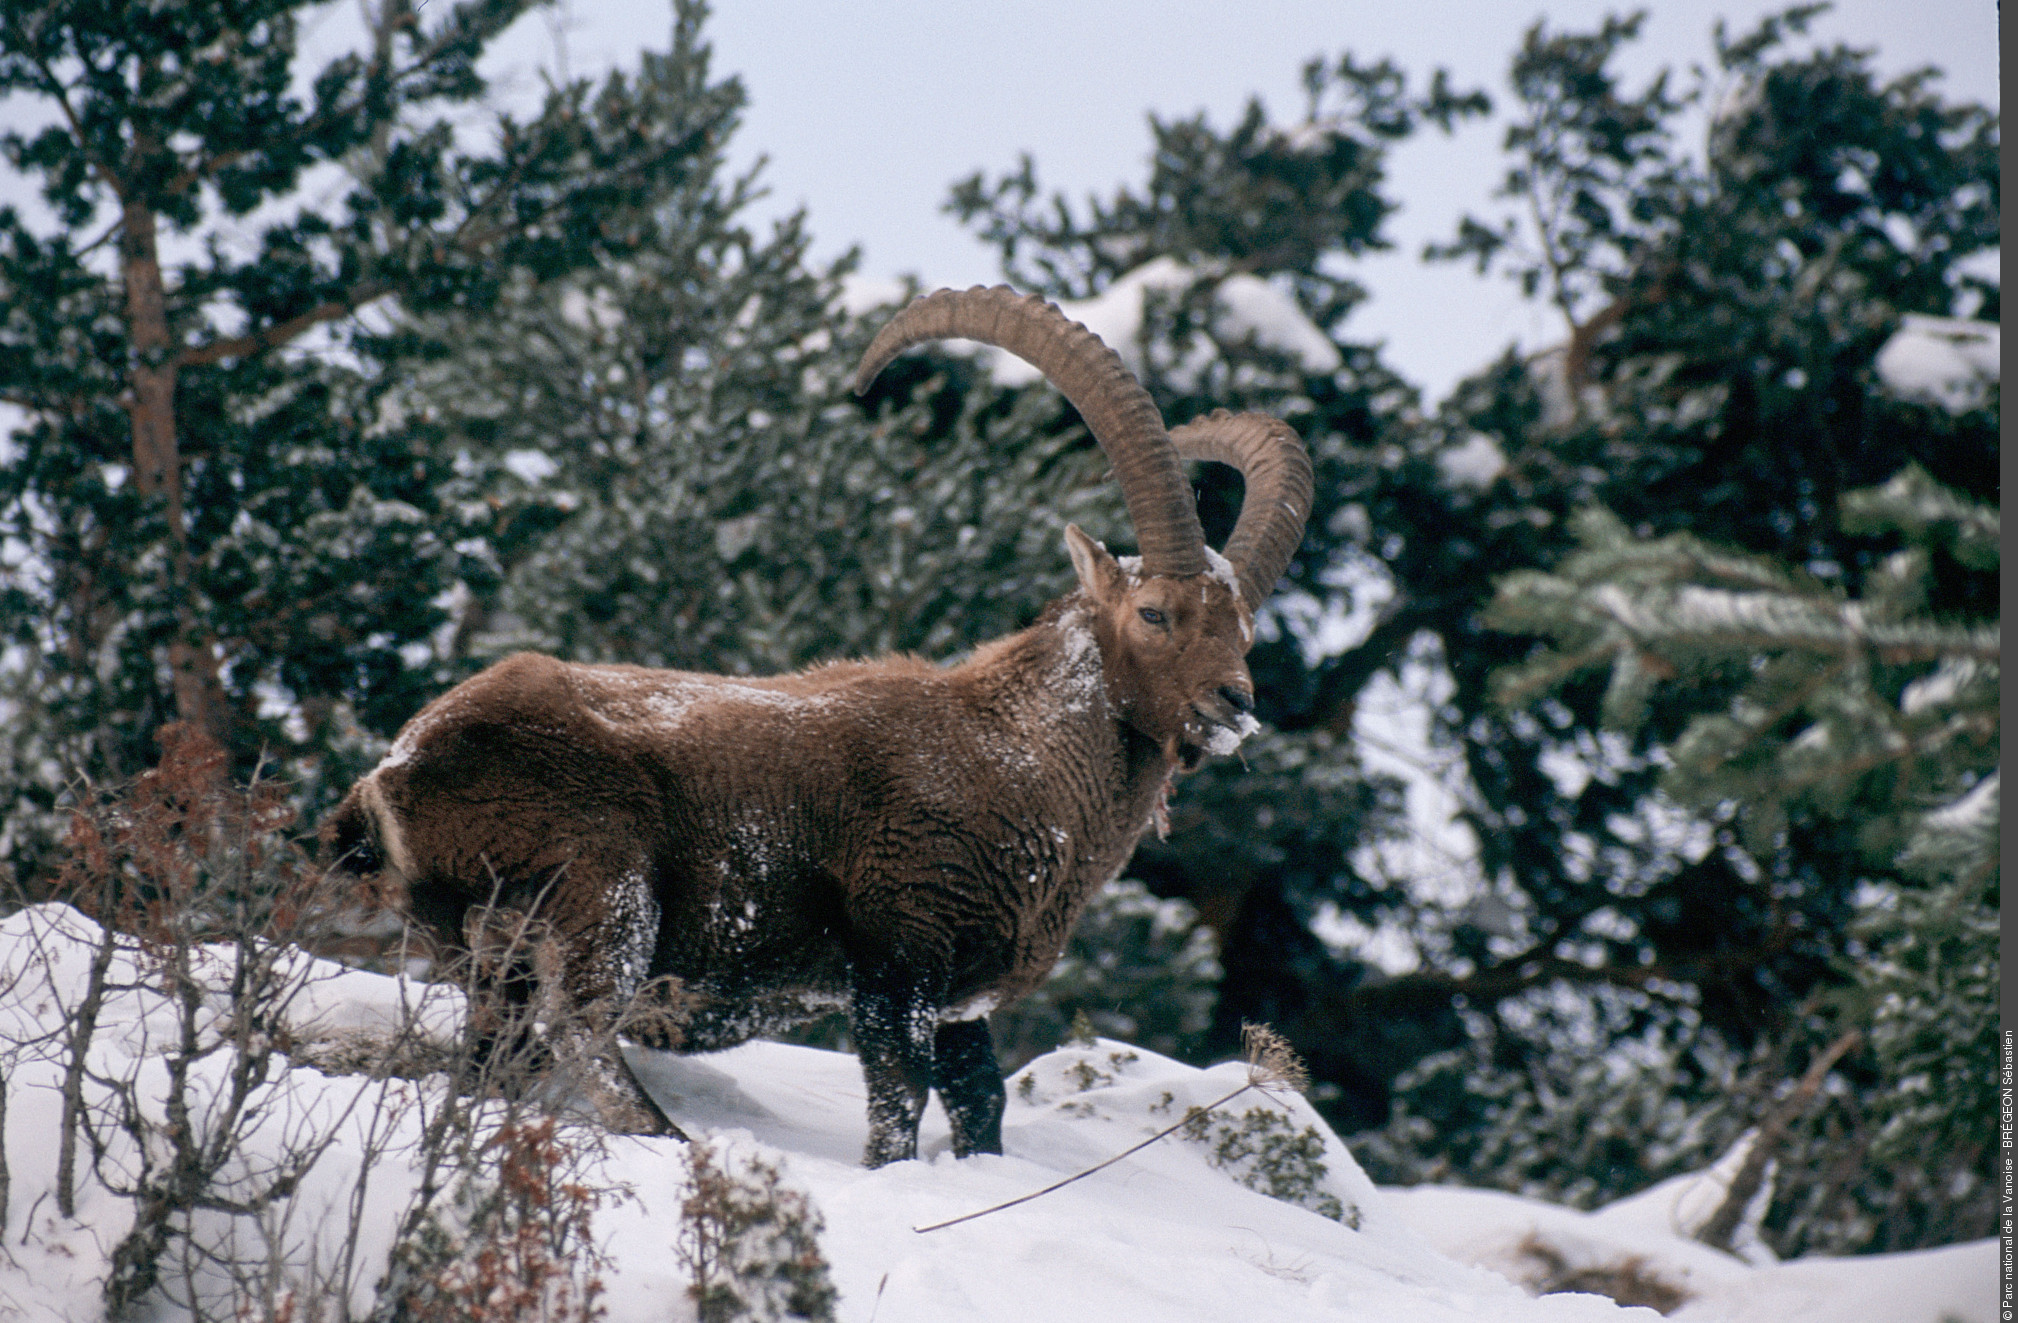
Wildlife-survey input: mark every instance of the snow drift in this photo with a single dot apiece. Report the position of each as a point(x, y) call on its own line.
point(1253, 1211)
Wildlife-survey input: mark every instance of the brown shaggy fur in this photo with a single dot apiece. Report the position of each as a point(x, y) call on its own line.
point(910, 841)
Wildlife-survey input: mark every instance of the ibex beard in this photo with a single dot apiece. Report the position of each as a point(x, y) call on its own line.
point(910, 842)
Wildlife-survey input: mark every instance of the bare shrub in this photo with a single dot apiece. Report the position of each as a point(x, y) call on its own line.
point(513, 1244)
point(171, 1025)
point(201, 900)
point(750, 1246)
point(500, 1224)
point(1629, 1280)
point(6, 1179)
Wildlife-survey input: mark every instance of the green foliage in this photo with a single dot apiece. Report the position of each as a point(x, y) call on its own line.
point(726, 508)
point(1863, 708)
point(1591, 167)
point(1649, 813)
point(686, 479)
point(1255, 197)
point(1932, 992)
point(1821, 706)
point(199, 523)
point(1265, 1151)
point(1574, 1099)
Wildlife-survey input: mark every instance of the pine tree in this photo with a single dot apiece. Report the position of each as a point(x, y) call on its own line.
point(1862, 710)
point(1264, 847)
point(1865, 708)
point(1723, 318)
point(702, 490)
point(212, 524)
point(1719, 392)
point(699, 486)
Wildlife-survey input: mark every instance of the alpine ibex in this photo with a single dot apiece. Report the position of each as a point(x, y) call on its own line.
point(909, 841)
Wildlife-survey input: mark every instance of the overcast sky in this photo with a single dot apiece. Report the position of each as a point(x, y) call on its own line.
point(869, 112)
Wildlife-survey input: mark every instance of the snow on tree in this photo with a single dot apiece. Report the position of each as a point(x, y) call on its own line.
point(1770, 657)
point(1861, 709)
point(213, 509)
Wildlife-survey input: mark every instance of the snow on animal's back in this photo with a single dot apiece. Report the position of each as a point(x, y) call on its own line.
point(830, 700)
point(946, 725)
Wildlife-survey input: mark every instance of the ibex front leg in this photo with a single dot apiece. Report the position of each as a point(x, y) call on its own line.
point(969, 1080)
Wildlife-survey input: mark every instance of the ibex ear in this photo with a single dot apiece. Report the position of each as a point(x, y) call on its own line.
point(1098, 572)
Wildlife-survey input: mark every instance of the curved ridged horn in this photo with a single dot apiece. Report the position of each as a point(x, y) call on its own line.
point(1276, 468)
point(1119, 413)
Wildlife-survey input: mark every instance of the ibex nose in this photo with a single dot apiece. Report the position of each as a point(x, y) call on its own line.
point(1242, 700)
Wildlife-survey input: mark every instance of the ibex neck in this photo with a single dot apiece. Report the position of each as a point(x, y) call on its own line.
point(1049, 685)
point(1050, 671)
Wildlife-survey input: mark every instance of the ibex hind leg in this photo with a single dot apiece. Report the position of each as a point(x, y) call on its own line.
point(546, 1004)
point(605, 977)
point(605, 1083)
point(893, 1021)
point(502, 981)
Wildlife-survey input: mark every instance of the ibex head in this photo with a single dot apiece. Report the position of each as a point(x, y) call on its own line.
point(1174, 624)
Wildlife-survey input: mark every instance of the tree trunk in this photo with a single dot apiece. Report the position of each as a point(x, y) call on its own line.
point(157, 469)
point(1722, 1228)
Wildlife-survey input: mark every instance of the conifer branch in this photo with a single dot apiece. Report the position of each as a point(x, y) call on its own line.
point(76, 405)
point(1722, 1228)
point(56, 90)
point(1519, 973)
point(244, 346)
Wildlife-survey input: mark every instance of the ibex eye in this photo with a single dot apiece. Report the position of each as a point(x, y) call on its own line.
point(1152, 615)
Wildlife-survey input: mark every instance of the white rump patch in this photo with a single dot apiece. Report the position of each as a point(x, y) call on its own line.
point(391, 840)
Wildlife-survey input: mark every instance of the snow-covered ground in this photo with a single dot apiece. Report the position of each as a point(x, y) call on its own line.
point(1172, 1233)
